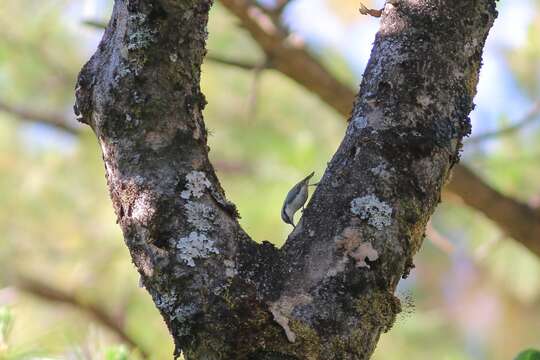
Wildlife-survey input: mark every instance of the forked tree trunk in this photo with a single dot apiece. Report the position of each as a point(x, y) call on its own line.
point(329, 292)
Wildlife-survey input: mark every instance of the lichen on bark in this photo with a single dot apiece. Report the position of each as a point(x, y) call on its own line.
point(328, 293)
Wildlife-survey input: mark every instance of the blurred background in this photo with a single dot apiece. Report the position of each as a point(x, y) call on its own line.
point(68, 289)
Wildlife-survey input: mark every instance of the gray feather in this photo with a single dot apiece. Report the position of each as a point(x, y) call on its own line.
point(296, 198)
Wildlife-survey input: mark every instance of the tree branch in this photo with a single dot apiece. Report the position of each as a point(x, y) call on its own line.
point(280, 7)
point(328, 293)
point(529, 118)
point(439, 240)
point(291, 58)
point(296, 63)
point(516, 219)
point(299, 65)
point(54, 119)
point(49, 293)
point(245, 65)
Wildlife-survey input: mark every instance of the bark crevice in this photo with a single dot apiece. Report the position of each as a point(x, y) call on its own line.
point(328, 293)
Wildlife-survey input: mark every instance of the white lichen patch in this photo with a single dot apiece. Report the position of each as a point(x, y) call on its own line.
point(196, 184)
point(381, 171)
point(200, 215)
point(181, 313)
point(282, 309)
point(359, 122)
point(166, 301)
point(194, 246)
point(143, 208)
point(350, 241)
point(138, 180)
point(377, 213)
point(230, 268)
point(173, 57)
point(141, 34)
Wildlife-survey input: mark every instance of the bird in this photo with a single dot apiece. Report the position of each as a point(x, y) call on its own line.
point(296, 198)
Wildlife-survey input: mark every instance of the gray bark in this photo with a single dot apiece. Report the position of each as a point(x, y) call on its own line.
point(328, 293)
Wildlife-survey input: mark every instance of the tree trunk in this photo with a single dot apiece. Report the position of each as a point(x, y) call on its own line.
point(328, 293)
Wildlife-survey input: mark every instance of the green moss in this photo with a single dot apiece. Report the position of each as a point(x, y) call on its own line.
point(379, 308)
point(472, 79)
point(338, 345)
point(308, 343)
point(412, 219)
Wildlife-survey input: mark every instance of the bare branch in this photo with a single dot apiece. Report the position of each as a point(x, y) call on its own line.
point(294, 61)
point(439, 240)
point(529, 118)
point(246, 65)
point(254, 91)
point(516, 219)
point(54, 119)
point(297, 64)
point(206, 276)
point(280, 7)
point(98, 24)
point(291, 58)
point(49, 293)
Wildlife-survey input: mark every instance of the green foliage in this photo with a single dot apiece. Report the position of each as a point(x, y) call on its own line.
point(6, 325)
point(7, 350)
point(116, 353)
point(57, 223)
point(530, 354)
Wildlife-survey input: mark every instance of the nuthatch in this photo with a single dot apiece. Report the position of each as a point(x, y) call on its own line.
point(296, 198)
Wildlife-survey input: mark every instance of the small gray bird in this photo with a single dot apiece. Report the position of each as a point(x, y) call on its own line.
point(296, 198)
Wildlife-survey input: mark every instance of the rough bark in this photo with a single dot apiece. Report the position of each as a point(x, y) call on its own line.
point(328, 293)
point(293, 60)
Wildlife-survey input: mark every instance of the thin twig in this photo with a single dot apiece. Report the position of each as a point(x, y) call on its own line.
point(49, 293)
point(246, 65)
point(437, 239)
point(531, 116)
point(513, 217)
point(54, 119)
point(98, 24)
point(280, 7)
point(254, 93)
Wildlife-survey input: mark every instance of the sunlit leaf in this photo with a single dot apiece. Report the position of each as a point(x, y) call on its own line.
point(530, 354)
